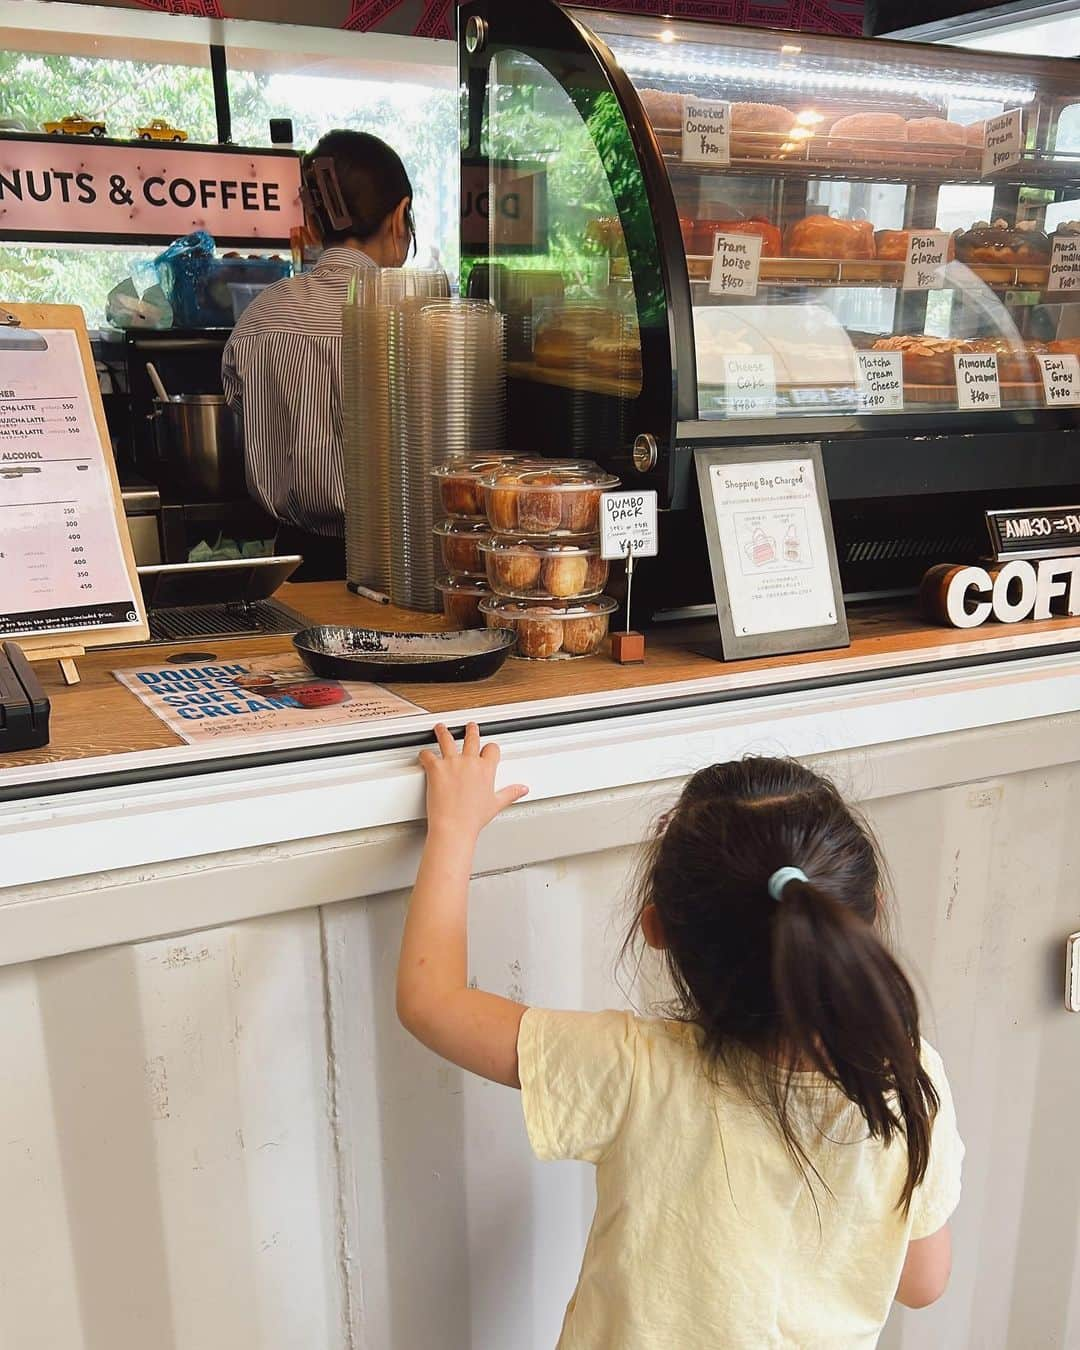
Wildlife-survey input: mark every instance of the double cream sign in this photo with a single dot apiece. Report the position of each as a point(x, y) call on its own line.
point(66, 188)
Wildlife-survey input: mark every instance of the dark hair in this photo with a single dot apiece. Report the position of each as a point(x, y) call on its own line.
point(371, 177)
point(805, 981)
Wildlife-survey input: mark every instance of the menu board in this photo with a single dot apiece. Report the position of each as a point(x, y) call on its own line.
point(64, 568)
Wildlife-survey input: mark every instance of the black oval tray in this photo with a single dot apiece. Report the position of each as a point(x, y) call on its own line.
point(368, 654)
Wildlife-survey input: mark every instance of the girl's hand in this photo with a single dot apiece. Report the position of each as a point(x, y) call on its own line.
point(461, 795)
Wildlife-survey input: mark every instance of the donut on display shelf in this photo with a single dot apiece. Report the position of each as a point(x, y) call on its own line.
point(1022, 245)
point(827, 237)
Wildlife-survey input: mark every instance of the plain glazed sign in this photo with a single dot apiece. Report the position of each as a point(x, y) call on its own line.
point(56, 188)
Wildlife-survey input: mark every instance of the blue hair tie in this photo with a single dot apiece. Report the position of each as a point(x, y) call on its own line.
point(780, 879)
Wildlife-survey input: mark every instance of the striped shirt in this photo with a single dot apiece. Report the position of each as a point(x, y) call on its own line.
point(281, 371)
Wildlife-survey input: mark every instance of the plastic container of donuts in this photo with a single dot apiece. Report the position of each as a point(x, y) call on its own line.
point(460, 542)
point(551, 632)
point(458, 482)
point(569, 568)
point(555, 497)
point(461, 600)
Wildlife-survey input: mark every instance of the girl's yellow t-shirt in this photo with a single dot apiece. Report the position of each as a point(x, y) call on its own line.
point(706, 1234)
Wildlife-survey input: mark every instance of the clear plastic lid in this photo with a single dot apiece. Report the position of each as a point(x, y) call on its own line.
point(463, 528)
point(560, 475)
point(523, 611)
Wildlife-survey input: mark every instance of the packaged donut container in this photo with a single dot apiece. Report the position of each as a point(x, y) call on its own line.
point(458, 481)
point(527, 568)
point(550, 497)
point(461, 600)
point(549, 632)
point(460, 542)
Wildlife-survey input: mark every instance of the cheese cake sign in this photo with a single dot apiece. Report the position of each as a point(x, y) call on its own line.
point(60, 188)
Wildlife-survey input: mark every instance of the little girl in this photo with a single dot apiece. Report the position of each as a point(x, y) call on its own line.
point(777, 1160)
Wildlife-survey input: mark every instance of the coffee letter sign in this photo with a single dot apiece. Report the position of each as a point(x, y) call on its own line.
point(965, 597)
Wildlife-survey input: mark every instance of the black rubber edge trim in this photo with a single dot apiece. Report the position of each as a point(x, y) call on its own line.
point(496, 726)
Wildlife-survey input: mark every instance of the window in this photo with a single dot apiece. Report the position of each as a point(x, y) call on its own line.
point(130, 66)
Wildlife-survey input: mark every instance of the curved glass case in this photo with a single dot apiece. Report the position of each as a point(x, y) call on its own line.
point(810, 228)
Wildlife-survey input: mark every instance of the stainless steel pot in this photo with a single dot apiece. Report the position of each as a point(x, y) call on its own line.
point(199, 449)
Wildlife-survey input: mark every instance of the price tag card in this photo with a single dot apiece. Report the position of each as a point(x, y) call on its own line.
point(977, 381)
point(736, 264)
point(924, 267)
point(62, 565)
point(706, 132)
point(750, 384)
point(881, 381)
point(1065, 263)
point(628, 525)
point(1004, 141)
point(1061, 379)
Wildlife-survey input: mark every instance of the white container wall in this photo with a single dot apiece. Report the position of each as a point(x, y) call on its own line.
point(223, 1139)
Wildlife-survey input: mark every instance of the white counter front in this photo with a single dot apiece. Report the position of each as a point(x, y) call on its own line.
point(216, 1135)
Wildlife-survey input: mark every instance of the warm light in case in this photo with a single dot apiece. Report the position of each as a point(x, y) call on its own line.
point(789, 49)
point(666, 35)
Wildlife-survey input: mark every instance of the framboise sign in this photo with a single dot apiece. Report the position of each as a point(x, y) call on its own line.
point(52, 188)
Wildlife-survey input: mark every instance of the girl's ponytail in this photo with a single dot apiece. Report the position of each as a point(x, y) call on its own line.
point(845, 1006)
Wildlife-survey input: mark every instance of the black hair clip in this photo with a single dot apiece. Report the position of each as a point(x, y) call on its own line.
point(321, 195)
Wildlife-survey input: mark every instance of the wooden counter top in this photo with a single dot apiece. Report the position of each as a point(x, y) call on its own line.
point(99, 717)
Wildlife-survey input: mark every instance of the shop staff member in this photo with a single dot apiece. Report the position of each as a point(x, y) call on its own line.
point(281, 370)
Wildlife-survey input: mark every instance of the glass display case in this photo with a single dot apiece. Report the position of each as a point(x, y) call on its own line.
point(702, 234)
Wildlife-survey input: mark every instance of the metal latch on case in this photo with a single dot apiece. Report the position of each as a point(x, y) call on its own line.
point(1072, 972)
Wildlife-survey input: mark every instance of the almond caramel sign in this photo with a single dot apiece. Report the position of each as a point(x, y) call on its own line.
point(53, 188)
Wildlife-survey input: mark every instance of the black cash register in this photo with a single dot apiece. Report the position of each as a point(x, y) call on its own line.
point(24, 709)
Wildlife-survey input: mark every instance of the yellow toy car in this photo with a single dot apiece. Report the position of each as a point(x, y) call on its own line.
point(75, 125)
point(159, 130)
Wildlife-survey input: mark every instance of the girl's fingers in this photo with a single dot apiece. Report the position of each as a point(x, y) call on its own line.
point(446, 741)
point(471, 745)
point(491, 753)
point(507, 796)
point(426, 758)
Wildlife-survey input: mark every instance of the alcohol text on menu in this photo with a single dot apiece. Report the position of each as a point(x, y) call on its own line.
point(977, 383)
point(772, 539)
point(1065, 263)
point(706, 132)
point(881, 381)
point(750, 386)
point(628, 524)
point(1003, 141)
point(927, 255)
point(736, 264)
point(62, 567)
point(1061, 379)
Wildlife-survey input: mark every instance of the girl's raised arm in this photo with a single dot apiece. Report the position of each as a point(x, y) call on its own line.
point(478, 1031)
